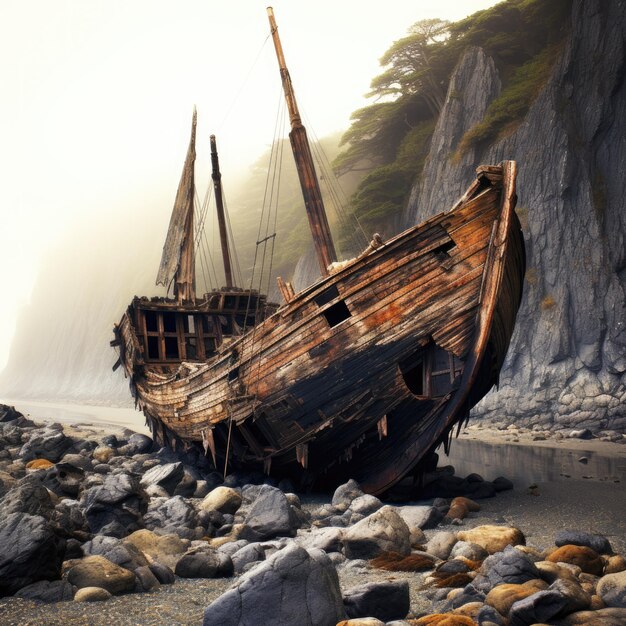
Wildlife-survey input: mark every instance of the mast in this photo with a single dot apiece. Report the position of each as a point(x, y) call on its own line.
point(178, 259)
point(309, 183)
point(219, 203)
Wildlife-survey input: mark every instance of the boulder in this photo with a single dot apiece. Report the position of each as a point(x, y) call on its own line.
point(146, 580)
point(509, 566)
point(30, 497)
point(115, 507)
point(441, 544)
point(204, 562)
point(422, 517)
point(92, 594)
point(250, 553)
point(166, 549)
point(39, 464)
point(599, 543)
point(47, 591)
point(493, 538)
point(382, 531)
point(540, 607)
point(577, 598)
point(29, 551)
point(504, 596)
point(96, 571)
point(344, 494)
point(165, 476)
point(385, 601)
point(48, 443)
point(612, 589)
point(293, 586)
point(471, 551)
point(269, 516)
point(174, 515)
point(124, 554)
point(138, 444)
point(103, 454)
point(587, 559)
point(222, 499)
point(365, 505)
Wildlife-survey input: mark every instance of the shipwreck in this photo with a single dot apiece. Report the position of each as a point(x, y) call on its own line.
point(359, 375)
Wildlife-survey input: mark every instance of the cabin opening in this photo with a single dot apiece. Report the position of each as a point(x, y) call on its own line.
point(431, 371)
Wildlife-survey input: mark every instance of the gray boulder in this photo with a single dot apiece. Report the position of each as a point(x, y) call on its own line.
point(165, 476)
point(539, 607)
point(599, 543)
point(29, 551)
point(382, 531)
point(174, 515)
point(30, 497)
point(116, 507)
point(269, 516)
point(423, 517)
point(47, 591)
point(250, 553)
point(385, 601)
point(48, 444)
point(294, 586)
point(346, 493)
point(508, 566)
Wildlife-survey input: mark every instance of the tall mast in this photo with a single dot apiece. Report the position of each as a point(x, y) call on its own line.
point(219, 203)
point(309, 183)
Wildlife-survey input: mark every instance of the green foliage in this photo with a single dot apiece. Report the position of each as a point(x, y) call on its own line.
point(390, 138)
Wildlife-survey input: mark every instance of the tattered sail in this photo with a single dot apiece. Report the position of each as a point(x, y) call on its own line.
point(177, 260)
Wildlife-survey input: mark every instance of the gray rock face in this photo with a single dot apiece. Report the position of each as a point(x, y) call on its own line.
point(421, 516)
point(385, 601)
point(567, 360)
point(382, 531)
point(29, 552)
point(508, 566)
point(269, 516)
point(28, 497)
point(598, 543)
point(294, 586)
point(612, 589)
point(539, 607)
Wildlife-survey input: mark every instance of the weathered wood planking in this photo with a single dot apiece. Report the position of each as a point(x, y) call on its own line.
point(317, 390)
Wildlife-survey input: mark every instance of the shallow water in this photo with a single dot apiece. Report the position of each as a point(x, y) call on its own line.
point(528, 464)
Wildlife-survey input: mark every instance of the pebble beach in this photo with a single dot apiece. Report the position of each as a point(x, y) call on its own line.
point(99, 527)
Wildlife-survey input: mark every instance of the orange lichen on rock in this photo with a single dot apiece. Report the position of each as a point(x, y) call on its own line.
point(395, 562)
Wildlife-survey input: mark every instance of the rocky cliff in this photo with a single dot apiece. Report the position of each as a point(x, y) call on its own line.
point(567, 361)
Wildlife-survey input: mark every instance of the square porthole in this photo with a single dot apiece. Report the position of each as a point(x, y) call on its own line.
point(337, 313)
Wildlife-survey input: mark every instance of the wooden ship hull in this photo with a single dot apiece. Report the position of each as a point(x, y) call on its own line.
point(364, 372)
point(360, 375)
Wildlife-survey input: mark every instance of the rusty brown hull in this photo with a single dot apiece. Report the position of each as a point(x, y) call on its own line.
point(361, 374)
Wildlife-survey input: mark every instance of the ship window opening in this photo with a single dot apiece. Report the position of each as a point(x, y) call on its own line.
point(233, 374)
point(209, 346)
point(207, 322)
point(441, 253)
point(230, 302)
point(153, 348)
point(326, 296)
point(430, 372)
point(189, 324)
point(171, 347)
point(152, 324)
point(413, 373)
point(337, 313)
point(251, 304)
point(169, 322)
point(191, 348)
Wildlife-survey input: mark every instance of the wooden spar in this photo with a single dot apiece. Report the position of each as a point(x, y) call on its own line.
point(309, 183)
point(185, 277)
point(219, 203)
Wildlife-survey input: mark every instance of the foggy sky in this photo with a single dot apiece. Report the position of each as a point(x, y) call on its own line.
point(97, 98)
